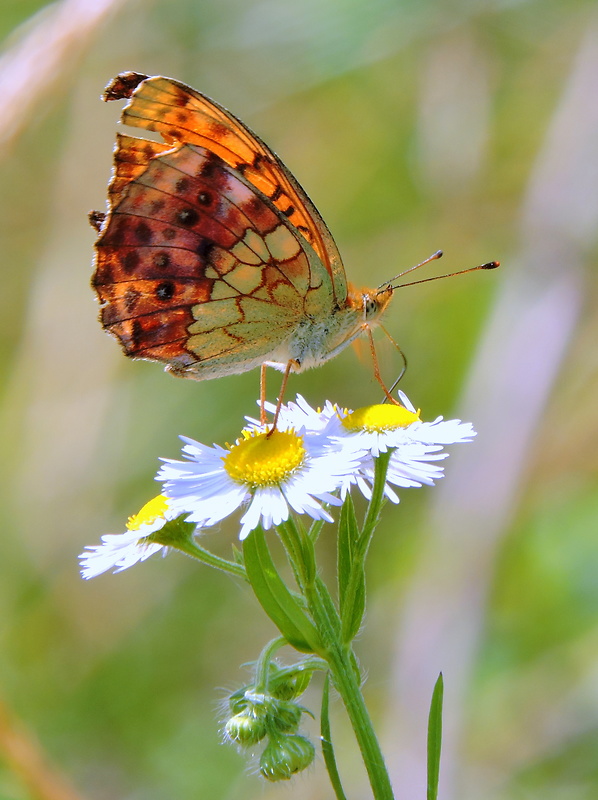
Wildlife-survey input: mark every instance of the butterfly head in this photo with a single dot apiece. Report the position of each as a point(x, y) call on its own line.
point(370, 302)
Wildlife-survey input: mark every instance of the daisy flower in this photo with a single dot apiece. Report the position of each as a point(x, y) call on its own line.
point(269, 472)
point(416, 446)
point(123, 550)
point(381, 427)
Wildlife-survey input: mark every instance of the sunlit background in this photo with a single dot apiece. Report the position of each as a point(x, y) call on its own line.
point(467, 126)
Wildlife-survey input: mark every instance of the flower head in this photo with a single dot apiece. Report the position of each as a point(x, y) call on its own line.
point(268, 471)
point(125, 549)
point(381, 427)
point(372, 430)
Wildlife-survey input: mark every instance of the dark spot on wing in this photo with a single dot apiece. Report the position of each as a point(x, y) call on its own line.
point(161, 260)
point(157, 205)
point(209, 167)
point(204, 250)
point(165, 291)
point(143, 232)
point(187, 217)
point(131, 262)
point(182, 185)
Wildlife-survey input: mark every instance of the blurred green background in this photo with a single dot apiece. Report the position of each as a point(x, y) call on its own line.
point(462, 125)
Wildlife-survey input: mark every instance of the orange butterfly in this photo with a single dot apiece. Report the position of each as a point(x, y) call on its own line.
point(211, 258)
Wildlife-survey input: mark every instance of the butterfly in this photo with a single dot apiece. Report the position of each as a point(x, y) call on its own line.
point(211, 258)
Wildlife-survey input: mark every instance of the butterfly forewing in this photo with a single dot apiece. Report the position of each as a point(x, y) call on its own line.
point(181, 114)
point(195, 267)
point(131, 157)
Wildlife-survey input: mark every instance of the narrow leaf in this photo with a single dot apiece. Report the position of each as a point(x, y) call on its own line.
point(348, 534)
point(354, 607)
point(274, 597)
point(435, 738)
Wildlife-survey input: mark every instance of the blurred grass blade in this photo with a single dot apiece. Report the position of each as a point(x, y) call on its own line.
point(435, 738)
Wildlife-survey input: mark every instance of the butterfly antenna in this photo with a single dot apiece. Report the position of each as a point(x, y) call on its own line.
point(433, 257)
point(489, 265)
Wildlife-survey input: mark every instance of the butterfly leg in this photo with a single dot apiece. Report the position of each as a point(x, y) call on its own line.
point(377, 368)
point(403, 357)
point(263, 369)
point(292, 363)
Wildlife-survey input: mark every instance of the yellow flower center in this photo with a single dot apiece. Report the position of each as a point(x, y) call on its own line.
point(155, 509)
point(260, 460)
point(376, 419)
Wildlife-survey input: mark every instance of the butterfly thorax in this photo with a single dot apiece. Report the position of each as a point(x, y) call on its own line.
point(318, 339)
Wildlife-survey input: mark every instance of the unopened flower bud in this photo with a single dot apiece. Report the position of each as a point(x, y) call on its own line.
point(283, 716)
point(291, 686)
point(246, 729)
point(286, 755)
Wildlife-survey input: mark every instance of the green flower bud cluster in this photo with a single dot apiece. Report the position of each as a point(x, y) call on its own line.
point(273, 714)
point(260, 714)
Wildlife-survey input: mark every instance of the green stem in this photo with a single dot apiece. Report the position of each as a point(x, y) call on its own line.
point(375, 504)
point(339, 655)
point(341, 660)
point(192, 549)
point(327, 748)
point(290, 537)
point(356, 577)
point(312, 586)
point(262, 668)
point(346, 683)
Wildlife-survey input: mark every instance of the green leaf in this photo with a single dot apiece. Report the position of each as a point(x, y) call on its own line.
point(435, 738)
point(348, 534)
point(351, 572)
point(327, 749)
point(275, 598)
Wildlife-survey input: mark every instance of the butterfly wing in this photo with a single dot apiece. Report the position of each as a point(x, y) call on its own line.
point(182, 115)
point(196, 267)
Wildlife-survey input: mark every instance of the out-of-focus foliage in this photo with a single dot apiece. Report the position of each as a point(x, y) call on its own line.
point(413, 126)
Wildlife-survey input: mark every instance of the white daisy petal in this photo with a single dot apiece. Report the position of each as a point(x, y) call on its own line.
point(264, 472)
point(121, 551)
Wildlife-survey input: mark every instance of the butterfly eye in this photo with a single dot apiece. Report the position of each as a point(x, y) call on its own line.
point(370, 306)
